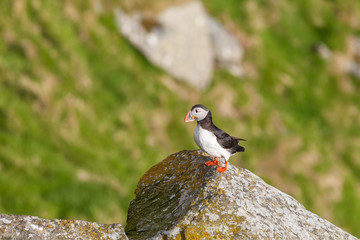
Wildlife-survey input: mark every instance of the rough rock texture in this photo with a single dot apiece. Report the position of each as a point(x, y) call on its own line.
point(181, 198)
point(29, 227)
point(186, 42)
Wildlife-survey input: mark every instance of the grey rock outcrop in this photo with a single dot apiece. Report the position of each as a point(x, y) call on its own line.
point(185, 41)
point(29, 227)
point(181, 198)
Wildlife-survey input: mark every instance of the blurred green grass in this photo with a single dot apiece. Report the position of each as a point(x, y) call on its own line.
point(83, 114)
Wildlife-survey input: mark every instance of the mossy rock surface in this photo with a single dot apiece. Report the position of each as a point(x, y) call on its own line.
point(30, 227)
point(182, 198)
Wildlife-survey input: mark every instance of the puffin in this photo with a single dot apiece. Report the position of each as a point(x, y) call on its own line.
point(212, 139)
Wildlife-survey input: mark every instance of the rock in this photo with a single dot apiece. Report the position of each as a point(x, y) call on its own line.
point(347, 62)
point(181, 198)
point(185, 41)
point(322, 50)
point(180, 43)
point(227, 50)
point(29, 227)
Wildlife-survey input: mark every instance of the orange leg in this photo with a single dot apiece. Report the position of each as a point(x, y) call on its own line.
point(222, 169)
point(215, 162)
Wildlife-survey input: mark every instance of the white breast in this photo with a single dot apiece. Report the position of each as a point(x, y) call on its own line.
point(207, 142)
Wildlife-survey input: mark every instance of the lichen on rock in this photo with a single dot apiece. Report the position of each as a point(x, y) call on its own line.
point(182, 198)
point(30, 227)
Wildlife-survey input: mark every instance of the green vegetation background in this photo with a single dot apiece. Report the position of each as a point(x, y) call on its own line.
point(83, 114)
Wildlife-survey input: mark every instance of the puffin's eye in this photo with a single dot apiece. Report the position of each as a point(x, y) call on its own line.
point(196, 110)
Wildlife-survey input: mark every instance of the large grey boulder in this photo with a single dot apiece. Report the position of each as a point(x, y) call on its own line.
point(181, 198)
point(29, 227)
point(185, 41)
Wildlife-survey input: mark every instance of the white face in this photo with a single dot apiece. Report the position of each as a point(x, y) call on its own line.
point(199, 113)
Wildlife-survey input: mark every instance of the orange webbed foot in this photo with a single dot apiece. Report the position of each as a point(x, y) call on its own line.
point(215, 162)
point(222, 169)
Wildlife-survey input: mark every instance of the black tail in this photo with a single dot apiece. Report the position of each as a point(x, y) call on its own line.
point(240, 148)
point(241, 139)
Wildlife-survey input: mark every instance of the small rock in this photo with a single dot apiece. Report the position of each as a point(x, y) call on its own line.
point(347, 62)
point(29, 227)
point(323, 50)
point(181, 198)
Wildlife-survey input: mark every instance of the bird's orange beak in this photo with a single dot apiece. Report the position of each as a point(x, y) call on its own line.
point(188, 117)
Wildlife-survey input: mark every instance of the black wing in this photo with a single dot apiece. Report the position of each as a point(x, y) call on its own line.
point(224, 139)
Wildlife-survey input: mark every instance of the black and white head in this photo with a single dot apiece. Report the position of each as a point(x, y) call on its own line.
point(198, 112)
